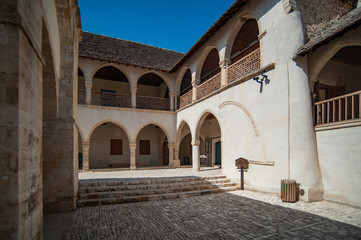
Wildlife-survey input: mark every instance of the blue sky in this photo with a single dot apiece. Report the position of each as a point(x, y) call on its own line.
point(170, 24)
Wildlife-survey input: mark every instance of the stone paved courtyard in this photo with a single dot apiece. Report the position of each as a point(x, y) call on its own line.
point(218, 216)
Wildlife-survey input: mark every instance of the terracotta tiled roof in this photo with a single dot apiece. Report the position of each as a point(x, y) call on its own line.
point(346, 23)
point(127, 52)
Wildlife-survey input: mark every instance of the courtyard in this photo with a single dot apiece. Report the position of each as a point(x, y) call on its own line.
point(234, 215)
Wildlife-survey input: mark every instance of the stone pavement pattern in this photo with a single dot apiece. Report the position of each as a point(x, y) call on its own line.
point(218, 216)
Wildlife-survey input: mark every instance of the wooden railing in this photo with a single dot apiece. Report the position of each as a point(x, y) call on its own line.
point(209, 86)
point(155, 103)
point(343, 108)
point(185, 99)
point(81, 97)
point(110, 99)
point(244, 66)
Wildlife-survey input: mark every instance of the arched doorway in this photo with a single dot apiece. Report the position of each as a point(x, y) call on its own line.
point(337, 87)
point(109, 147)
point(110, 88)
point(152, 147)
point(185, 145)
point(209, 131)
point(152, 92)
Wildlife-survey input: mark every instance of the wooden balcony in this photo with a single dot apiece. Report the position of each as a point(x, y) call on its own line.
point(155, 103)
point(111, 99)
point(209, 86)
point(339, 109)
point(246, 65)
point(185, 99)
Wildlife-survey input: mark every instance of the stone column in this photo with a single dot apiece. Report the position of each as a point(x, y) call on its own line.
point(172, 99)
point(134, 97)
point(224, 64)
point(195, 84)
point(195, 155)
point(172, 161)
point(85, 146)
point(132, 147)
point(88, 92)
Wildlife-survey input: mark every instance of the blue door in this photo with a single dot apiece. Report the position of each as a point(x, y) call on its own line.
point(218, 153)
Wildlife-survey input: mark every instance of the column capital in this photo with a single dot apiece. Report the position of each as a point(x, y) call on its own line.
point(196, 143)
point(133, 89)
point(132, 146)
point(196, 82)
point(85, 145)
point(173, 94)
point(88, 84)
point(224, 63)
point(171, 145)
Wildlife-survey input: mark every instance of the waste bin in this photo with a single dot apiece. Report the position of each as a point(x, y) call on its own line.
point(288, 190)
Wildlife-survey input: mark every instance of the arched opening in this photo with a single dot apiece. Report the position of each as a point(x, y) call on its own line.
point(81, 87)
point(245, 53)
point(152, 147)
point(185, 145)
point(110, 88)
point(210, 66)
point(186, 89)
point(209, 130)
point(50, 138)
point(109, 147)
point(152, 92)
point(337, 87)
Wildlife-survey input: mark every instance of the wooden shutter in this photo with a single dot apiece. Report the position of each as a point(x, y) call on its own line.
point(144, 147)
point(116, 147)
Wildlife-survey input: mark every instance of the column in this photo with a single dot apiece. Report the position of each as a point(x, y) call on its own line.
point(172, 161)
point(195, 84)
point(88, 92)
point(85, 146)
point(172, 99)
point(134, 97)
point(132, 147)
point(224, 64)
point(195, 155)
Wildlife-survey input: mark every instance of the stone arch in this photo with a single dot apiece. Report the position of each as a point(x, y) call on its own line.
point(200, 122)
point(236, 28)
point(244, 109)
point(151, 123)
point(110, 121)
point(180, 77)
point(108, 64)
point(327, 55)
point(207, 49)
point(159, 74)
point(179, 132)
point(179, 139)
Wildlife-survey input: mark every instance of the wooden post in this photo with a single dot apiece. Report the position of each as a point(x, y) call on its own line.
point(242, 179)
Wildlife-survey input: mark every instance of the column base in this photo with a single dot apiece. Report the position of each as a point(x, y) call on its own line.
point(310, 194)
point(132, 167)
point(175, 163)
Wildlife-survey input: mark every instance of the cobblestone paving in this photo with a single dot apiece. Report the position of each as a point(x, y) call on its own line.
point(218, 216)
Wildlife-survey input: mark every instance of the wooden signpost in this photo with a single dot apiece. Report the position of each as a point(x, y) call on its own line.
point(242, 164)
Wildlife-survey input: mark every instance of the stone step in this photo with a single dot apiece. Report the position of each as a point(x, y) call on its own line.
point(143, 181)
point(121, 198)
point(164, 190)
point(114, 188)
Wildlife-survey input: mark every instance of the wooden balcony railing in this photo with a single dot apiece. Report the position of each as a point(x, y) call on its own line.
point(244, 66)
point(110, 99)
point(81, 97)
point(155, 103)
point(209, 86)
point(338, 109)
point(185, 99)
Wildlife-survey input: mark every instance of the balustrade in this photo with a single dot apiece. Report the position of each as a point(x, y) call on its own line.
point(209, 86)
point(338, 109)
point(155, 103)
point(246, 65)
point(110, 99)
point(81, 97)
point(185, 99)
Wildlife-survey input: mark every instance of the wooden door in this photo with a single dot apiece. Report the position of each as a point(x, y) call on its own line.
point(165, 154)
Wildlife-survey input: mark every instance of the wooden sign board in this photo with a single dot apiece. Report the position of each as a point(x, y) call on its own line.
point(242, 163)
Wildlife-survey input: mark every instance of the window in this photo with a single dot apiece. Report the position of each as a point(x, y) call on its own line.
point(116, 147)
point(144, 147)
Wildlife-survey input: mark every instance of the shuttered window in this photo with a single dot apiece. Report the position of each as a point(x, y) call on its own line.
point(116, 147)
point(144, 147)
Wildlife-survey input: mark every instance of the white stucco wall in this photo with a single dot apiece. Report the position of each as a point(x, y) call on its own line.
point(339, 152)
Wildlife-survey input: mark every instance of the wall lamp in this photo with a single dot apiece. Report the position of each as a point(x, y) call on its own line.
point(260, 79)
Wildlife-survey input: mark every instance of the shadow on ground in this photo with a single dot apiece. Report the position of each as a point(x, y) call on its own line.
point(216, 216)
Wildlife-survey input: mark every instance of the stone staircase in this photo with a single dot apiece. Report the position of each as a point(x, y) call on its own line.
point(114, 191)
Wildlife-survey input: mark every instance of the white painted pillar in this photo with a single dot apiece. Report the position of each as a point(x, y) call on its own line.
point(88, 92)
point(303, 158)
point(195, 155)
point(172, 99)
point(195, 84)
point(224, 64)
point(133, 147)
point(85, 146)
point(134, 97)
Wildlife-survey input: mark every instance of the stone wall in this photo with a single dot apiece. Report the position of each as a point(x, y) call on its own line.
point(318, 16)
